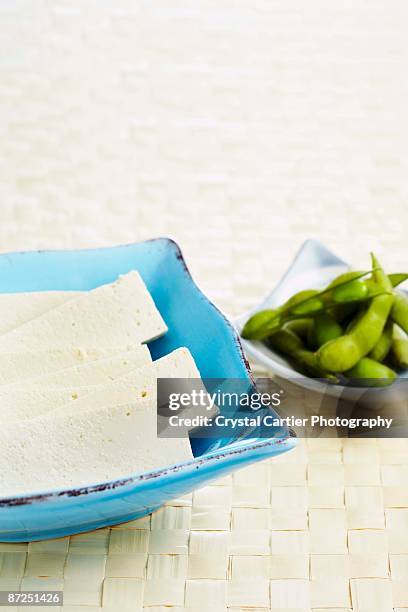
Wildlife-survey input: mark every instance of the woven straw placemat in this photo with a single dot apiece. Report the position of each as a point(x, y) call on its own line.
point(322, 527)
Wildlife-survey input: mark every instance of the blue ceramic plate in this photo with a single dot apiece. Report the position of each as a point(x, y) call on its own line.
point(194, 322)
point(313, 266)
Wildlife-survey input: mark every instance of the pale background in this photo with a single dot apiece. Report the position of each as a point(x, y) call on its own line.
point(239, 129)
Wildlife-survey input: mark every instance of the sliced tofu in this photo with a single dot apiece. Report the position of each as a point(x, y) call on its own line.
point(131, 388)
point(177, 364)
point(94, 439)
point(99, 372)
point(115, 315)
point(18, 308)
point(30, 402)
point(39, 396)
point(90, 448)
point(23, 404)
point(17, 367)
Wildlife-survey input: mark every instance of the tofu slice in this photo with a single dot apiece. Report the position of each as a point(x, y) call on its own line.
point(90, 448)
point(119, 314)
point(97, 372)
point(17, 367)
point(72, 447)
point(18, 308)
point(56, 389)
point(177, 364)
point(131, 388)
point(22, 404)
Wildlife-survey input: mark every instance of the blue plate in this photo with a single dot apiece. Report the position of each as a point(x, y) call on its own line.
point(193, 322)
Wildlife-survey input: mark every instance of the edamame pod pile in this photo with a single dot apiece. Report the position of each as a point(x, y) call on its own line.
point(355, 328)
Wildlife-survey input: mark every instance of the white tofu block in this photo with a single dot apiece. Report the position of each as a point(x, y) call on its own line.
point(18, 308)
point(115, 315)
point(178, 364)
point(39, 396)
point(16, 367)
point(23, 404)
point(131, 387)
point(104, 442)
point(105, 382)
point(90, 448)
point(99, 372)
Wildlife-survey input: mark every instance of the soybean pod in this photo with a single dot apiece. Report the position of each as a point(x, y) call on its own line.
point(398, 278)
point(399, 348)
point(375, 374)
point(300, 327)
point(382, 348)
point(305, 303)
point(288, 343)
point(399, 312)
point(344, 353)
point(325, 328)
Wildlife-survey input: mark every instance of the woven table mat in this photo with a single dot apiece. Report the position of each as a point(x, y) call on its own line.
point(240, 129)
point(324, 526)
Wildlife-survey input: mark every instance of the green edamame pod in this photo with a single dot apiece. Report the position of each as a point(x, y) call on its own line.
point(300, 327)
point(286, 342)
point(307, 361)
point(354, 291)
point(325, 328)
point(261, 324)
point(343, 353)
point(399, 348)
point(264, 323)
point(348, 288)
point(346, 277)
point(398, 278)
point(347, 295)
point(304, 303)
point(375, 373)
point(382, 348)
point(373, 289)
point(399, 312)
